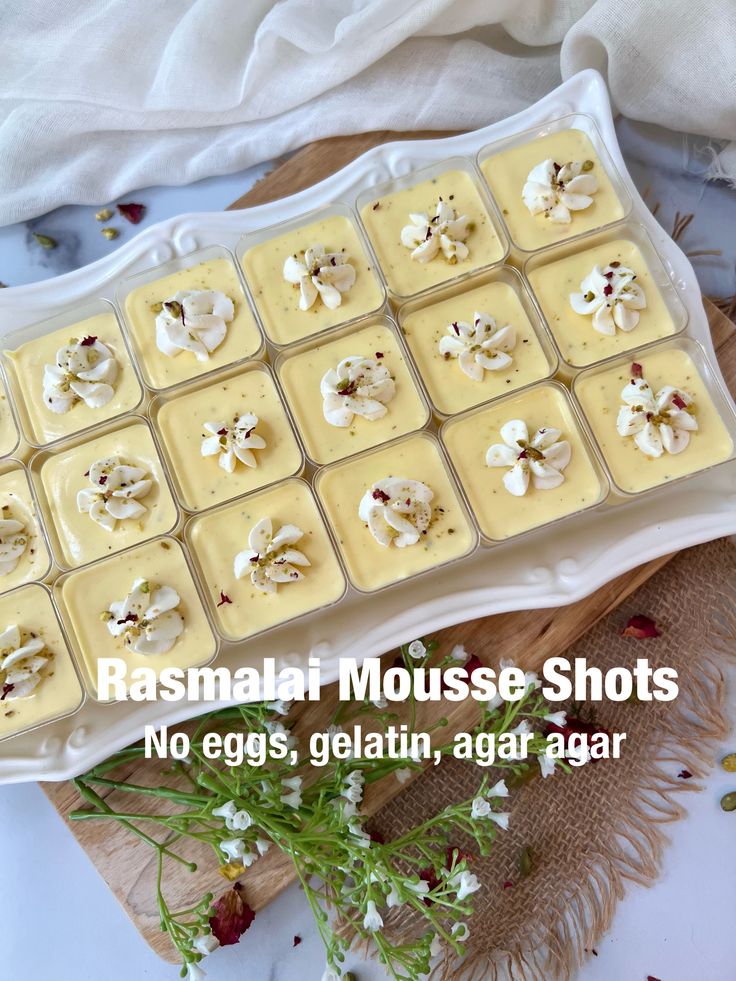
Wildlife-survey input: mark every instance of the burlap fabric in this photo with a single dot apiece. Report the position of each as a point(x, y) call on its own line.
point(590, 833)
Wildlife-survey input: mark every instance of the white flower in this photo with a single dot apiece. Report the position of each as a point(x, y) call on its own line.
point(480, 346)
point(193, 320)
point(531, 680)
point(393, 899)
point(270, 558)
point(522, 729)
point(248, 858)
point(226, 811)
point(498, 790)
point(417, 649)
point(115, 493)
point(612, 297)
point(357, 387)
point(84, 371)
point(330, 975)
point(659, 423)
point(13, 543)
point(280, 706)
point(480, 809)
point(262, 845)
point(278, 728)
point(420, 888)
point(435, 948)
point(556, 190)
point(494, 702)
point(234, 848)
point(147, 619)
point(233, 443)
point(445, 232)
point(397, 511)
point(353, 790)
point(22, 660)
point(294, 798)
point(541, 458)
point(556, 718)
point(205, 943)
point(403, 774)
point(319, 273)
point(458, 653)
point(363, 838)
point(501, 818)
point(460, 931)
point(195, 972)
point(333, 731)
point(372, 919)
point(381, 702)
point(547, 765)
point(466, 884)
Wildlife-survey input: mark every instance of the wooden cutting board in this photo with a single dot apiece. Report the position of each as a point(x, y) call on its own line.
point(126, 864)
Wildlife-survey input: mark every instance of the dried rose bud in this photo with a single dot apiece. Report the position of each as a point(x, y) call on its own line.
point(224, 598)
point(641, 627)
point(232, 916)
point(88, 341)
point(132, 212)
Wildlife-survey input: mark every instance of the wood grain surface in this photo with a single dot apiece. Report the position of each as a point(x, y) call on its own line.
point(126, 864)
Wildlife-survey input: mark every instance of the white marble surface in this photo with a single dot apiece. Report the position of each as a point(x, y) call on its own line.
point(59, 918)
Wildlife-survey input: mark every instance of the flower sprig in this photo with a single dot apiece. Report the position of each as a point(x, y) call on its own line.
point(356, 884)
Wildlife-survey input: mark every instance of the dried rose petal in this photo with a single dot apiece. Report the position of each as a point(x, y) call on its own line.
point(377, 838)
point(232, 916)
point(224, 598)
point(508, 884)
point(607, 290)
point(132, 212)
point(636, 370)
point(379, 495)
point(87, 341)
point(684, 775)
point(641, 627)
point(379, 355)
point(297, 940)
point(6, 691)
point(650, 977)
point(679, 401)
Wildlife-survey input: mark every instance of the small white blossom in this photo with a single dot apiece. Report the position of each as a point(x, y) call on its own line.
point(416, 649)
point(273, 728)
point(234, 848)
point(435, 948)
point(494, 702)
point(205, 943)
point(501, 818)
point(362, 836)
point(481, 808)
point(281, 706)
point(556, 718)
point(523, 729)
point(330, 975)
point(420, 888)
point(460, 932)
point(294, 798)
point(195, 972)
point(393, 898)
point(466, 884)
point(332, 731)
point(372, 919)
point(531, 679)
point(381, 702)
point(498, 790)
point(547, 765)
point(403, 773)
point(262, 845)
point(458, 653)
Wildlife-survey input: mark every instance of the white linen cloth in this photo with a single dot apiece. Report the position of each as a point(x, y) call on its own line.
point(99, 97)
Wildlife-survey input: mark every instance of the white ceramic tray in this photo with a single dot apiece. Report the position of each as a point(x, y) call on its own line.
point(551, 567)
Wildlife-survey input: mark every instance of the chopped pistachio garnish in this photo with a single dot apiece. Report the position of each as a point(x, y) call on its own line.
point(588, 165)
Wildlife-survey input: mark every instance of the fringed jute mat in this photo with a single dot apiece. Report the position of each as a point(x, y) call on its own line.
point(580, 838)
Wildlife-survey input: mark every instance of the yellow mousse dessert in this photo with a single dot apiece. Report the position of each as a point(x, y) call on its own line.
point(523, 462)
point(227, 438)
point(474, 347)
point(23, 552)
point(352, 393)
point(601, 301)
point(654, 420)
point(106, 494)
point(265, 560)
point(189, 322)
point(8, 428)
point(310, 279)
point(395, 512)
point(73, 378)
point(436, 230)
point(38, 682)
point(142, 606)
point(551, 188)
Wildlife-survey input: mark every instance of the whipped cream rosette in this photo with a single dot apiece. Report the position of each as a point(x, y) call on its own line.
point(23, 658)
point(659, 422)
point(540, 460)
point(397, 511)
point(116, 492)
point(479, 347)
point(357, 387)
point(193, 320)
point(322, 274)
point(271, 558)
point(555, 190)
point(612, 297)
point(84, 371)
point(13, 543)
point(148, 619)
point(442, 234)
point(233, 443)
